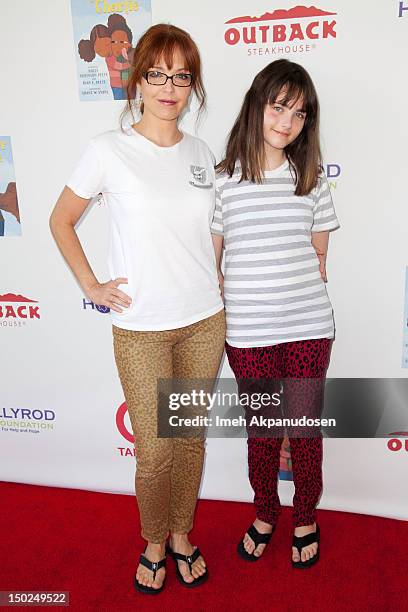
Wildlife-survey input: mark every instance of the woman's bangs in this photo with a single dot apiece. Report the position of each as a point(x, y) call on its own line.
point(163, 49)
point(171, 47)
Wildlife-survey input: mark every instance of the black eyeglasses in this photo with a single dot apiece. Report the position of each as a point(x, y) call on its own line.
point(181, 79)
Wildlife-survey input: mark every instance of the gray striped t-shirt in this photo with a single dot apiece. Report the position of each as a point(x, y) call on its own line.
point(273, 289)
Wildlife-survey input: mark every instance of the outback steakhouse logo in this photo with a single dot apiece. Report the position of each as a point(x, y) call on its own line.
point(300, 24)
point(395, 444)
point(17, 308)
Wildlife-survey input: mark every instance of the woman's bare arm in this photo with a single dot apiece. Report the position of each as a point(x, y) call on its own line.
point(66, 214)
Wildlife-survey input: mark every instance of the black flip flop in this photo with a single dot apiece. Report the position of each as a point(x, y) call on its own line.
point(152, 566)
point(189, 559)
point(258, 538)
point(301, 542)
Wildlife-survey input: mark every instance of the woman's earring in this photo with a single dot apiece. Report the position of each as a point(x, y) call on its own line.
point(139, 100)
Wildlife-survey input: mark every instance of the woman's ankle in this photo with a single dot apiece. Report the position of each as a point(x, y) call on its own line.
point(156, 547)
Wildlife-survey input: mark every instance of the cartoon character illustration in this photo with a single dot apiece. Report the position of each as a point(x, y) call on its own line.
point(285, 469)
point(114, 43)
point(10, 221)
point(121, 40)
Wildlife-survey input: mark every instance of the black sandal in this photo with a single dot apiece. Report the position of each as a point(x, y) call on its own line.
point(301, 542)
point(189, 559)
point(153, 567)
point(258, 538)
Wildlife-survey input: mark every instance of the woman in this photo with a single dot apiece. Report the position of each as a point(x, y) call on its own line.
point(273, 215)
point(167, 312)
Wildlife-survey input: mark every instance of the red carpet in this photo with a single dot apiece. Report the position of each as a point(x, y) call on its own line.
point(88, 544)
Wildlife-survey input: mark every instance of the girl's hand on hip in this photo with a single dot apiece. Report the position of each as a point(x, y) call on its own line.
point(221, 282)
point(108, 294)
point(322, 263)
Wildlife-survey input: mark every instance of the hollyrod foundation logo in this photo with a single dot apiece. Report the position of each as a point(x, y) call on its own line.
point(26, 420)
point(124, 431)
point(402, 9)
point(89, 304)
point(333, 172)
point(16, 310)
point(282, 31)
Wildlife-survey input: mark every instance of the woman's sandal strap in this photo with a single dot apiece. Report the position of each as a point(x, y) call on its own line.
point(153, 566)
point(258, 538)
point(189, 559)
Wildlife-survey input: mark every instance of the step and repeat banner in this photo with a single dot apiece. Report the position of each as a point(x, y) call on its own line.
point(63, 420)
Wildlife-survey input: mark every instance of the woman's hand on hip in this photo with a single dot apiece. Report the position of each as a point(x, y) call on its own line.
point(108, 294)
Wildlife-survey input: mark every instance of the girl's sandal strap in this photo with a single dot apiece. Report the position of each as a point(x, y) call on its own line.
point(258, 538)
point(300, 542)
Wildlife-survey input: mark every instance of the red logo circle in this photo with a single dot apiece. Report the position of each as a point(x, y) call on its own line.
point(120, 423)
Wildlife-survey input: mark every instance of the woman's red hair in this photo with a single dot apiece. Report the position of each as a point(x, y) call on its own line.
point(162, 40)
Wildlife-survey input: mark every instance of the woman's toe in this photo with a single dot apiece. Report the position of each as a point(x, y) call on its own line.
point(187, 577)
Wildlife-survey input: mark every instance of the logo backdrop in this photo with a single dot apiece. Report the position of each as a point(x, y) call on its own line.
point(62, 417)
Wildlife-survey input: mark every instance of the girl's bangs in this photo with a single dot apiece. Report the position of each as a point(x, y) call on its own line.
point(292, 92)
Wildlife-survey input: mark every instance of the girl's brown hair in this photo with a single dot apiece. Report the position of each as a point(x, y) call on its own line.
point(286, 79)
point(163, 40)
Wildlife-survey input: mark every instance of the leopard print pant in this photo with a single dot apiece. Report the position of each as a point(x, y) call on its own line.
point(169, 470)
point(296, 360)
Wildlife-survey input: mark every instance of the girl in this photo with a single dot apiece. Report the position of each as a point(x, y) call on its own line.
point(273, 216)
point(158, 183)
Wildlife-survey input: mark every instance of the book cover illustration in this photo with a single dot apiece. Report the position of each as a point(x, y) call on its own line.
point(104, 44)
point(10, 223)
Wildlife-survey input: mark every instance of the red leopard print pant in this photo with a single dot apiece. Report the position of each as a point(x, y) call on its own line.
point(301, 359)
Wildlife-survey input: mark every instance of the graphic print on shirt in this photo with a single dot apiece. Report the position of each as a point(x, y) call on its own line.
point(199, 177)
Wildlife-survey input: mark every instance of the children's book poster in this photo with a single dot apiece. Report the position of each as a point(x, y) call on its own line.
point(105, 37)
point(405, 329)
point(10, 224)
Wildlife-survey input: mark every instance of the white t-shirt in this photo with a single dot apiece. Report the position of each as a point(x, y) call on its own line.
point(161, 203)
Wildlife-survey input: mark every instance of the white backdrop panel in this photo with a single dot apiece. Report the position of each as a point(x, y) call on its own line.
point(63, 362)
